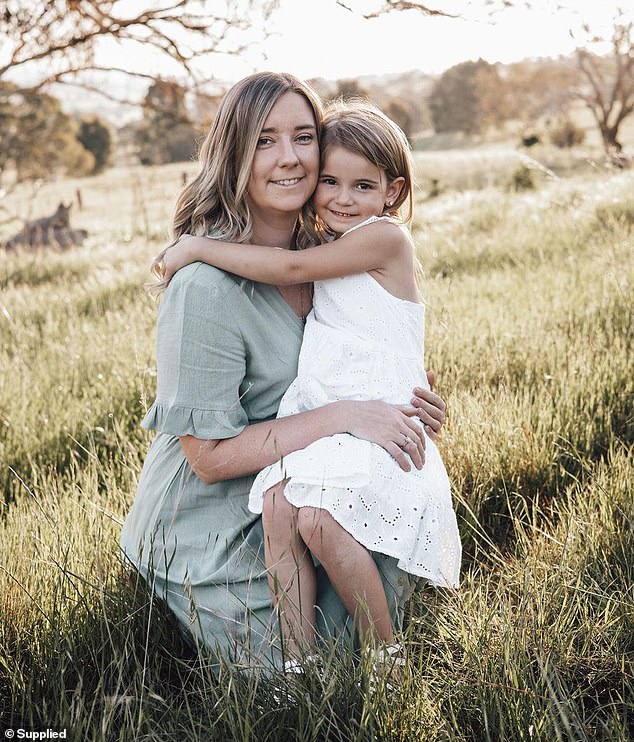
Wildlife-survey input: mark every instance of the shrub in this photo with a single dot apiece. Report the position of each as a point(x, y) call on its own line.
point(619, 215)
point(96, 138)
point(530, 139)
point(566, 134)
point(522, 179)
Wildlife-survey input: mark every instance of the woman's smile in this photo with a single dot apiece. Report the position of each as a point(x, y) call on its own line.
point(288, 182)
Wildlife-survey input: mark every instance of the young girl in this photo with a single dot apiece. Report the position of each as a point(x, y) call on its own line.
point(342, 497)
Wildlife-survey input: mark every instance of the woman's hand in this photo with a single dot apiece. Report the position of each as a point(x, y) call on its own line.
point(179, 255)
point(428, 407)
point(387, 426)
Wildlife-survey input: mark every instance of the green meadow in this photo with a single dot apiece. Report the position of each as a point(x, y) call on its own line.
point(530, 329)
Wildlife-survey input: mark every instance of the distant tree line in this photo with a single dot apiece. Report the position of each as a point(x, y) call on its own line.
point(37, 137)
point(474, 97)
point(604, 83)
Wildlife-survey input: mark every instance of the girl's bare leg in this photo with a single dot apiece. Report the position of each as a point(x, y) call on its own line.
point(352, 572)
point(291, 571)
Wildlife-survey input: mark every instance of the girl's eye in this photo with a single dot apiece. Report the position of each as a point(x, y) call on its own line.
point(328, 181)
point(364, 186)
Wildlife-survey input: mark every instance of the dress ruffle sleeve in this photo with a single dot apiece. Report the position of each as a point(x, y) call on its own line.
point(206, 424)
point(201, 357)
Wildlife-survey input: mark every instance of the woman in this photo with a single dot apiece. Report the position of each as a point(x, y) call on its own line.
point(226, 352)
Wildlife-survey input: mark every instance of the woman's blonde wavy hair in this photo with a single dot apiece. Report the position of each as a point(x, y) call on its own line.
point(361, 127)
point(214, 203)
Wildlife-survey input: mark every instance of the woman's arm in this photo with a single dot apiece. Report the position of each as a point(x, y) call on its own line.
point(366, 249)
point(261, 444)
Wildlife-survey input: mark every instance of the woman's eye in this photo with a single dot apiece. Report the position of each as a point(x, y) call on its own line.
point(262, 141)
point(305, 138)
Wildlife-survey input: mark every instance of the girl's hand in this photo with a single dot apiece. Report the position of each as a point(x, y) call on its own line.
point(387, 426)
point(428, 407)
point(179, 255)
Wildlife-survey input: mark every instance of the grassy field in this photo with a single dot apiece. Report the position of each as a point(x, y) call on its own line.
point(530, 328)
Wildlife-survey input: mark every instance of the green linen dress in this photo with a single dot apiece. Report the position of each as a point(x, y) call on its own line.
point(226, 352)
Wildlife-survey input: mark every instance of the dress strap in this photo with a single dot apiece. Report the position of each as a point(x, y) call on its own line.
point(371, 220)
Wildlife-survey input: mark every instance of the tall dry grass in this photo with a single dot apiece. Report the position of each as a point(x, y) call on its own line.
point(530, 329)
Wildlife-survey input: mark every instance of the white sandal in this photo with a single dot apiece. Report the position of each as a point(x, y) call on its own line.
point(293, 669)
point(384, 666)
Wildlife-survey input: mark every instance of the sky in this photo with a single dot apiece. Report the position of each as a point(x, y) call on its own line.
point(319, 38)
point(322, 39)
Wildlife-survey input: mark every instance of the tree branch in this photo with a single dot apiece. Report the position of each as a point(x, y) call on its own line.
point(395, 5)
point(67, 31)
point(593, 75)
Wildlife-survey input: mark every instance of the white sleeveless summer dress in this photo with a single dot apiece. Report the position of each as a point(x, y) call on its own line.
point(362, 343)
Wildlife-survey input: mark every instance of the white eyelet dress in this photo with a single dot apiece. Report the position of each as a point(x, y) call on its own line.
point(363, 343)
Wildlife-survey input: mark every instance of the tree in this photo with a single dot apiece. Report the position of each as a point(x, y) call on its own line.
point(566, 134)
point(166, 134)
point(96, 137)
point(399, 112)
point(492, 94)
point(537, 88)
point(468, 97)
point(609, 88)
point(38, 138)
point(453, 102)
point(350, 88)
point(204, 108)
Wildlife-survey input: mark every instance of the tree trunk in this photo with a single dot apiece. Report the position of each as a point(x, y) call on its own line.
point(609, 135)
point(613, 148)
